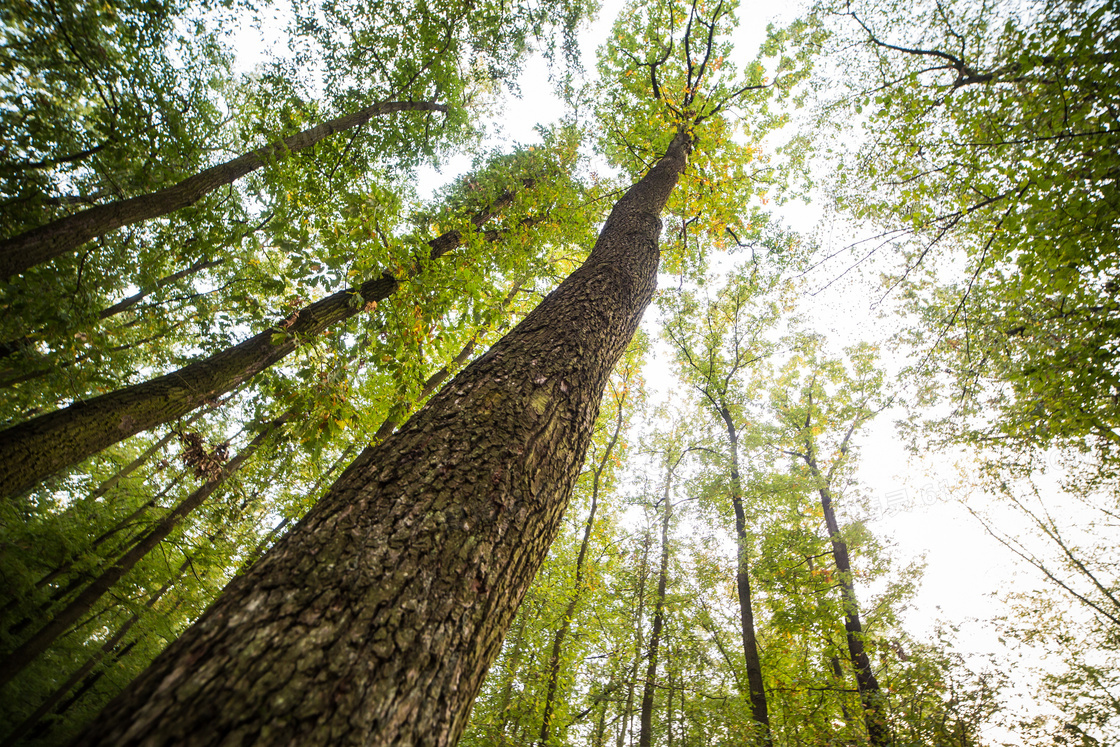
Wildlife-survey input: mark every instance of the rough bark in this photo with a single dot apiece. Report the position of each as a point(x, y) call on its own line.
point(36, 449)
point(374, 621)
point(20, 253)
point(759, 711)
point(14, 663)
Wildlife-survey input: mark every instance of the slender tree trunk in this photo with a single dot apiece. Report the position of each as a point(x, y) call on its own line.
point(645, 735)
point(101, 490)
point(22, 252)
point(273, 533)
point(838, 673)
point(669, 709)
point(135, 464)
point(106, 650)
point(38, 373)
point(60, 594)
point(601, 726)
point(15, 662)
point(507, 687)
point(627, 717)
point(374, 621)
point(870, 697)
point(759, 710)
point(34, 450)
point(577, 592)
point(127, 303)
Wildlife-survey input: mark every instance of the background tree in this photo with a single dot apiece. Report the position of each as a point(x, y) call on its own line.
point(821, 406)
point(991, 164)
point(991, 136)
point(715, 343)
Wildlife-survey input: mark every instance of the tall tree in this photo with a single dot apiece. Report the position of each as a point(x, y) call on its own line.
point(623, 392)
point(716, 343)
point(992, 162)
point(820, 406)
point(449, 530)
point(37, 448)
point(992, 140)
point(673, 454)
point(42, 244)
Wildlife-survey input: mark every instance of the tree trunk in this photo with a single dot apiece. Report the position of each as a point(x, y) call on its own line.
point(601, 726)
point(34, 450)
point(743, 581)
point(101, 490)
point(61, 593)
point(645, 735)
point(42, 244)
point(581, 559)
point(507, 687)
point(14, 663)
point(870, 698)
point(135, 464)
point(374, 621)
point(669, 709)
point(106, 649)
point(627, 716)
point(127, 303)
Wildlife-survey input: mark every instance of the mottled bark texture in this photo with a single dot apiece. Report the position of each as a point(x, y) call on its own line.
point(20, 253)
point(36, 449)
point(374, 621)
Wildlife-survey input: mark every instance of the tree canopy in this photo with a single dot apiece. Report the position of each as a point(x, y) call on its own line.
point(294, 446)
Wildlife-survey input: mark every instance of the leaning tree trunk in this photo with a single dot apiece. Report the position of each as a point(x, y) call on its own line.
point(26, 250)
point(38, 448)
point(870, 697)
point(80, 674)
point(12, 664)
point(374, 621)
point(759, 711)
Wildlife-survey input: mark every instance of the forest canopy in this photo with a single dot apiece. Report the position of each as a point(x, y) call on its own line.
point(576, 447)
